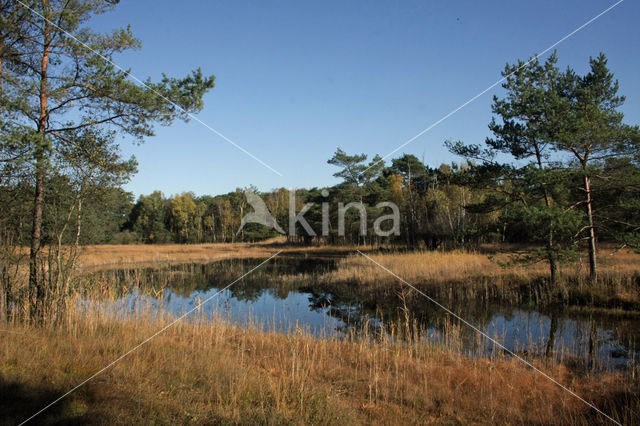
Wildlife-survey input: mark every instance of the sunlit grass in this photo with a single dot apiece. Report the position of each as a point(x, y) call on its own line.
point(208, 371)
point(110, 256)
point(482, 277)
point(441, 266)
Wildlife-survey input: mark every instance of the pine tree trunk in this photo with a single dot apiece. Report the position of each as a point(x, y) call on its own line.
point(36, 289)
point(593, 265)
point(553, 262)
point(36, 283)
point(551, 252)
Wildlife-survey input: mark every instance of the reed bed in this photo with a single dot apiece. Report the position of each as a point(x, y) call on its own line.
point(98, 257)
point(457, 275)
point(206, 371)
point(110, 256)
point(439, 266)
point(487, 275)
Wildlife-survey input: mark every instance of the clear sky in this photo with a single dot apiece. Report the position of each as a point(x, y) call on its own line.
point(295, 80)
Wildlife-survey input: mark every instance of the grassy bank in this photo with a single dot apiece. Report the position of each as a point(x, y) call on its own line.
point(438, 266)
point(462, 276)
point(210, 372)
point(450, 276)
point(99, 257)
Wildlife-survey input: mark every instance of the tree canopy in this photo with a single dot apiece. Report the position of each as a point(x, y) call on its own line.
point(63, 102)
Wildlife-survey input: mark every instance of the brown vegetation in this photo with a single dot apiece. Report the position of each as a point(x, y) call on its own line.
point(209, 372)
point(117, 256)
point(481, 278)
point(450, 266)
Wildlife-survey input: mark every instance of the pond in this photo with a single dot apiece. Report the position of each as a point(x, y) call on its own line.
point(288, 295)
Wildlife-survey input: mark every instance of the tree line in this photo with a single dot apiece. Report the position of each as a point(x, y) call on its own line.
point(460, 205)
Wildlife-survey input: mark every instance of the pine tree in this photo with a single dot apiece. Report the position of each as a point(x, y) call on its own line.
point(60, 83)
point(591, 130)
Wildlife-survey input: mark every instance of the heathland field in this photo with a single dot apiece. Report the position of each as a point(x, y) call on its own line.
point(206, 369)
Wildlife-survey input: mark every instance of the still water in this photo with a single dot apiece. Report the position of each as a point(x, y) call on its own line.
point(287, 295)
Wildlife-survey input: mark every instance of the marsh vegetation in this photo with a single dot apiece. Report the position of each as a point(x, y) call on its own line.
point(323, 338)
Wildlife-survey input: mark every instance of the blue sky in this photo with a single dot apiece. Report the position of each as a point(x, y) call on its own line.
point(295, 80)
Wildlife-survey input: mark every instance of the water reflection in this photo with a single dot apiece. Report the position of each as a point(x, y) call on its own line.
point(289, 294)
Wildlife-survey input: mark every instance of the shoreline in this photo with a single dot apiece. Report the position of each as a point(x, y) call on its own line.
point(214, 372)
point(101, 257)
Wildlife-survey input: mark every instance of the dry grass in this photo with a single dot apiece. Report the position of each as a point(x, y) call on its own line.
point(209, 372)
point(454, 275)
point(478, 277)
point(437, 266)
point(426, 265)
point(109, 256)
point(115, 256)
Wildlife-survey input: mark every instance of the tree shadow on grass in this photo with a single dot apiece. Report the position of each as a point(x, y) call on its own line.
point(18, 402)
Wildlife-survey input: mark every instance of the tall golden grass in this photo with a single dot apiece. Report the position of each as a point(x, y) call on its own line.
point(453, 274)
point(480, 277)
point(450, 266)
point(431, 265)
point(113, 256)
point(208, 372)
